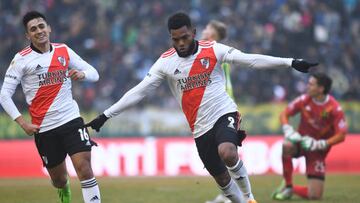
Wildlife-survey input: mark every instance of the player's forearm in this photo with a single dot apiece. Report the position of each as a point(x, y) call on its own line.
point(338, 138)
point(7, 103)
point(77, 63)
point(132, 97)
point(259, 61)
point(128, 100)
point(20, 121)
point(284, 118)
point(91, 74)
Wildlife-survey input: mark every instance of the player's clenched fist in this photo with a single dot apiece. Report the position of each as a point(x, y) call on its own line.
point(97, 123)
point(76, 75)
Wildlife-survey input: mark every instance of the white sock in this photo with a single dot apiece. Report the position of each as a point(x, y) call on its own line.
point(90, 191)
point(232, 192)
point(239, 173)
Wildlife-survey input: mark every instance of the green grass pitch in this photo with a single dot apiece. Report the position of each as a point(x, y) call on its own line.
point(338, 188)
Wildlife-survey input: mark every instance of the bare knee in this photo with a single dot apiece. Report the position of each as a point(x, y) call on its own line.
point(228, 153)
point(315, 196)
point(58, 175)
point(59, 181)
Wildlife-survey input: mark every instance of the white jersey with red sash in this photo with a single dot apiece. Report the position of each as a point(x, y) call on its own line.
point(46, 85)
point(197, 82)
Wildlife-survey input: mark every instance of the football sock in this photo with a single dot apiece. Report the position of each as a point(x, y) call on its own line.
point(232, 192)
point(239, 174)
point(301, 191)
point(90, 191)
point(287, 169)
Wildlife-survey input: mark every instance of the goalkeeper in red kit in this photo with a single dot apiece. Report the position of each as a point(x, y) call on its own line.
point(322, 125)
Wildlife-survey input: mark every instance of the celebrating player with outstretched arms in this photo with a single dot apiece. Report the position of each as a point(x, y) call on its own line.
point(193, 71)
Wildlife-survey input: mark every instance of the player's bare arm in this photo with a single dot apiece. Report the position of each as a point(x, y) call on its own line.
point(29, 128)
point(336, 139)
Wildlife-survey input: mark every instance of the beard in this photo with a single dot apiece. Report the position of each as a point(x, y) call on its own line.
point(191, 50)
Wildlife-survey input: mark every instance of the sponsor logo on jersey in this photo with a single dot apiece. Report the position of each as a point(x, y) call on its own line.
point(205, 62)
point(51, 78)
point(195, 81)
point(62, 60)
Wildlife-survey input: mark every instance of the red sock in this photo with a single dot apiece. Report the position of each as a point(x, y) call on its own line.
point(301, 191)
point(287, 169)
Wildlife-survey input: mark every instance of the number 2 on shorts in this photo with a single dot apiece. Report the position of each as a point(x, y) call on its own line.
point(232, 121)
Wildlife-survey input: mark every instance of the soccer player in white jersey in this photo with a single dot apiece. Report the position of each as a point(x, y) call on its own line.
point(196, 79)
point(45, 71)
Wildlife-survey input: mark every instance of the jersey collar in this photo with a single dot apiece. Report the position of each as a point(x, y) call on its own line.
point(37, 50)
point(323, 102)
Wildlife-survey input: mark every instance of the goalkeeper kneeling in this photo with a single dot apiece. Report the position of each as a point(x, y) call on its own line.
point(322, 125)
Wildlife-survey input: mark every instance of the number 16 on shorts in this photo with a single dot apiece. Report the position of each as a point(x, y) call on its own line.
point(84, 136)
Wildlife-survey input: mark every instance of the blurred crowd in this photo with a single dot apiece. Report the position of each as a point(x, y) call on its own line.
point(122, 39)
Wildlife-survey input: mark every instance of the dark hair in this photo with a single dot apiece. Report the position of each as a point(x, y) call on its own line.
point(32, 15)
point(323, 80)
point(220, 29)
point(178, 20)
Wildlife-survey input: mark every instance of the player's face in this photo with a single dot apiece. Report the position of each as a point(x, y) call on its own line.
point(183, 40)
point(313, 89)
point(208, 33)
point(38, 31)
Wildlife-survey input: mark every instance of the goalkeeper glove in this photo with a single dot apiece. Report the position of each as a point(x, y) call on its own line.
point(310, 144)
point(302, 66)
point(97, 123)
point(290, 134)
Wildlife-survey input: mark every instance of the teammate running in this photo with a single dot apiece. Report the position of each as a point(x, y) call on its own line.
point(196, 79)
point(45, 71)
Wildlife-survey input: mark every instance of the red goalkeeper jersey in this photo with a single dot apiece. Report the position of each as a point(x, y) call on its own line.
point(318, 120)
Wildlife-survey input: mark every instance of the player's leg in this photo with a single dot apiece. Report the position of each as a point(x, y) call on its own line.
point(227, 138)
point(315, 170)
point(59, 178)
point(78, 145)
point(53, 158)
point(228, 153)
point(289, 151)
point(285, 190)
point(315, 188)
point(82, 165)
point(207, 149)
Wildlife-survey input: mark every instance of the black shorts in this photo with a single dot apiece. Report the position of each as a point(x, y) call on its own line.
point(226, 129)
point(55, 144)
